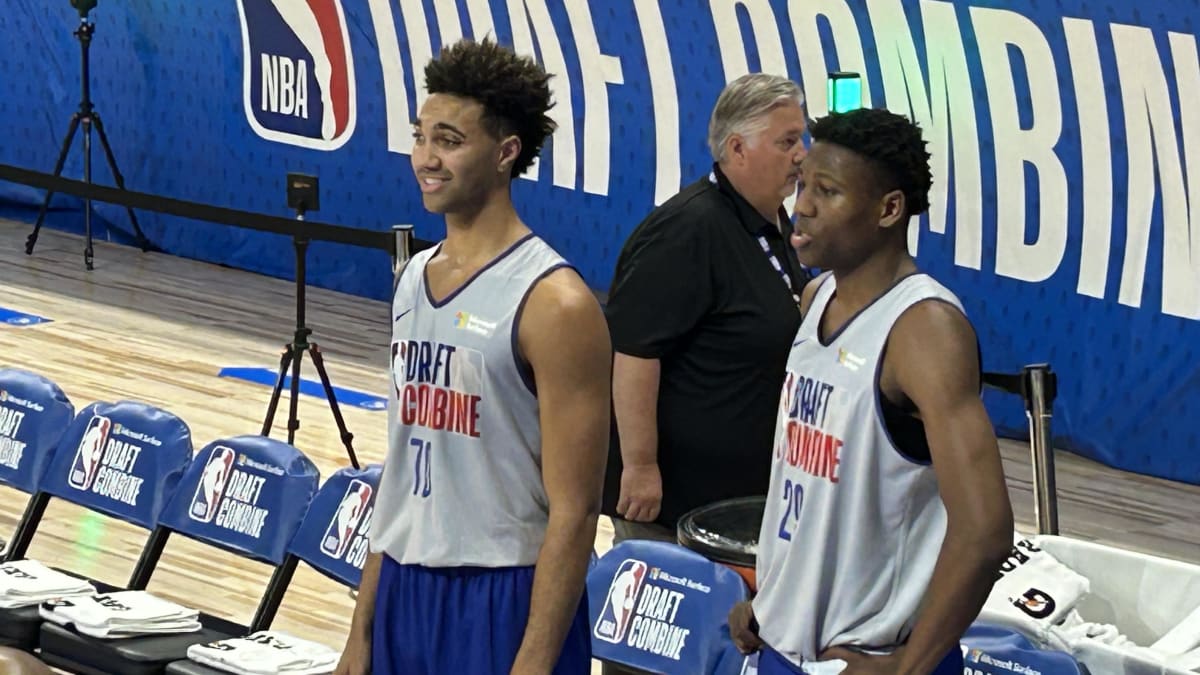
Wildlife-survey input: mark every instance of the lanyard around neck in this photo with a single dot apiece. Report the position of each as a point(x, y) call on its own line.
point(766, 247)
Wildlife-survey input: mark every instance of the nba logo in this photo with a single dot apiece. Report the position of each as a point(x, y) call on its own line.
point(345, 522)
point(89, 453)
point(298, 72)
point(212, 484)
point(622, 598)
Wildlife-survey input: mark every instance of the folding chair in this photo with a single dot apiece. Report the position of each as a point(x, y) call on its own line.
point(245, 495)
point(118, 459)
point(996, 650)
point(660, 608)
point(34, 415)
point(332, 539)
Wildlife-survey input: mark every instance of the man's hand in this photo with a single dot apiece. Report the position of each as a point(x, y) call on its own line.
point(640, 499)
point(356, 657)
point(864, 664)
point(743, 628)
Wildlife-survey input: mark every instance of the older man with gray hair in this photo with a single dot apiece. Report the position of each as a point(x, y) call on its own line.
point(702, 310)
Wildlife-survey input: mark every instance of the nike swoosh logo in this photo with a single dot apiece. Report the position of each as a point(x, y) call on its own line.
point(797, 343)
point(401, 314)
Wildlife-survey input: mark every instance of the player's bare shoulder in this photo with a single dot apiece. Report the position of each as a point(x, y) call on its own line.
point(561, 298)
point(933, 323)
point(933, 345)
point(561, 309)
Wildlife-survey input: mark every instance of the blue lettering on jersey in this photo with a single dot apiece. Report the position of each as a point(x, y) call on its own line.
point(809, 399)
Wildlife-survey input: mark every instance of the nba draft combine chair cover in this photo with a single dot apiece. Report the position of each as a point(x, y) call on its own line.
point(118, 459)
point(245, 495)
point(661, 608)
point(34, 415)
point(332, 539)
point(996, 650)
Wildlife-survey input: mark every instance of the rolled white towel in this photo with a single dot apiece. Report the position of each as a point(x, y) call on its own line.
point(1034, 590)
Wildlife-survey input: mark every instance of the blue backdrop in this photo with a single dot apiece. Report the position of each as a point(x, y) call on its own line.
point(1063, 160)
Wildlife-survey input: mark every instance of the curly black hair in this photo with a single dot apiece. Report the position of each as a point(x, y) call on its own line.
point(513, 90)
point(890, 141)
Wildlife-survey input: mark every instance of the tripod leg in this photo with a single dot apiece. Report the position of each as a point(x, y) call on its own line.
point(143, 243)
point(269, 421)
point(87, 203)
point(347, 437)
point(294, 404)
point(58, 167)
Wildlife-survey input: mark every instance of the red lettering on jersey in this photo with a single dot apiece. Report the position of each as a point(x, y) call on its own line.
point(813, 451)
point(438, 417)
point(440, 409)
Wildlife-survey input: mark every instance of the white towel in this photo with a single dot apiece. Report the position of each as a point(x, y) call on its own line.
point(1075, 628)
point(160, 628)
point(28, 582)
point(266, 653)
point(1034, 590)
point(121, 614)
point(830, 667)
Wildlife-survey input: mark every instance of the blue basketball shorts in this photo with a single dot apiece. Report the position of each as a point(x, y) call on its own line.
point(447, 621)
point(771, 662)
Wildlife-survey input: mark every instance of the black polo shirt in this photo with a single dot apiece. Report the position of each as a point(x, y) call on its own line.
point(695, 289)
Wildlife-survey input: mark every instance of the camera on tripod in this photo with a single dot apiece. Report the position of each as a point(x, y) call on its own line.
point(86, 117)
point(303, 193)
point(84, 6)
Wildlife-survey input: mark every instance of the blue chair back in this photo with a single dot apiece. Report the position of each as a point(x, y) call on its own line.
point(246, 494)
point(34, 415)
point(659, 607)
point(333, 537)
point(121, 459)
point(993, 650)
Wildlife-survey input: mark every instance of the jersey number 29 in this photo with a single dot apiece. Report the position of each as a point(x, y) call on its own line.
point(793, 501)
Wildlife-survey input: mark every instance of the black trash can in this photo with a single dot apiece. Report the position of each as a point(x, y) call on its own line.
point(726, 532)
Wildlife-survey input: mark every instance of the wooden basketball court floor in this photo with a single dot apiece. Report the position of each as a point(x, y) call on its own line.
point(157, 328)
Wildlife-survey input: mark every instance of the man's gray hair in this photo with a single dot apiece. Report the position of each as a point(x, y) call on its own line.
point(743, 106)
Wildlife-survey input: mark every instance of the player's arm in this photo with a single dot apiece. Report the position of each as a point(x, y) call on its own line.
point(933, 359)
point(356, 656)
point(564, 338)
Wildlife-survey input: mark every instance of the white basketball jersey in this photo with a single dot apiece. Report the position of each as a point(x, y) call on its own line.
point(852, 528)
point(462, 484)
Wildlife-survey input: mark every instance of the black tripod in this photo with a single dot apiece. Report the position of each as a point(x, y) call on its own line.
point(302, 197)
point(87, 116)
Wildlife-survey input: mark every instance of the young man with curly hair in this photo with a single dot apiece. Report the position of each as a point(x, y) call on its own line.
point(887, 515)
point(499, 410)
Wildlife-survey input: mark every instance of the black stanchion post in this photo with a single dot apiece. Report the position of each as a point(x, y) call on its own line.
point(403, 248)
point(1039, 387)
